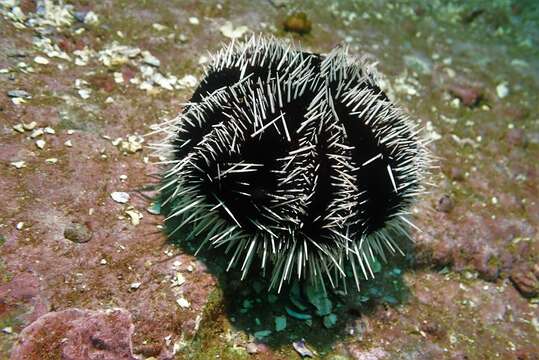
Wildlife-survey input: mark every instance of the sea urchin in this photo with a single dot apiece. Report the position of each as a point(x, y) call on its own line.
point(293, 161)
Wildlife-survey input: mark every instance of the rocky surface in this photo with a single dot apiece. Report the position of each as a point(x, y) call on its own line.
point(80, 84)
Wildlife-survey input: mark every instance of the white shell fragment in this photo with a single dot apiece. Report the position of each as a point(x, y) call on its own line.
point(120, 197)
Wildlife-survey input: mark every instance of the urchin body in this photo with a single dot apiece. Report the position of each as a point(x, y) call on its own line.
point(293, 163)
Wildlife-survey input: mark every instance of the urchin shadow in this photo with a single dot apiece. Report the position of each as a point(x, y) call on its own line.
point(251, 308)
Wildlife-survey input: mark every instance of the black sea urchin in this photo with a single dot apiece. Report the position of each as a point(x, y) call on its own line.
point(295, 161)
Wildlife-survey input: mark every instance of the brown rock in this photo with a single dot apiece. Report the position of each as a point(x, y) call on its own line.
point(78, 233)
point(298, 23)
point(75, 334)
point(525, 281)
point(445, 204)
point(469, 95)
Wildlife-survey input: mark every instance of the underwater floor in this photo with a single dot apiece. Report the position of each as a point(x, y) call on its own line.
point(86, 271)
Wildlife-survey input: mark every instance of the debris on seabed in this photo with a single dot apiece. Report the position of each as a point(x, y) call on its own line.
point(300, 347)
point(502, 90)
point(120, 197)
point(135, 285)
point(183, 303)
point(134, 215)
point(19, 164)
point(228, 30)
point(40, 144)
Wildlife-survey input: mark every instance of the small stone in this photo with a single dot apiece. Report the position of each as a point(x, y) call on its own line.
point(41, 60)
point(183, 303)
point(70, 132)
point(29, 127)
point(123, 177)
point(178, 280)
point(36, 133)
point(194, 20)
point(85, 93)
point(40, 143)
point(251, 348)
point(187, 81)
point(135, 285)
point(68, 143)
point(19, 128)
point(228, 30)
point(525, 281)
point(49, 130)
point(120, 197)
point(298, 23)
point(469, 95)
point(103, 262)
point(149, 59)
point(78, 233)
point(159, 27)
point(502, 90)
point(7, 330)
point(19, 164)
point(445, 204)
point(19, 225)
point(51, 160)
point(300, 347)
point(135, 216)
point(19, 94)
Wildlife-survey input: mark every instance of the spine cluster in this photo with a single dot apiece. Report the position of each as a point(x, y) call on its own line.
point(292, 162)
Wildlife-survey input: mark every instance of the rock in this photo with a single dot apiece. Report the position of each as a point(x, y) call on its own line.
point(468, 95)
point(74, 334)
point(18, 94)
point(251, 348)
point(525, 281)
point(76, 232)
point(298, 23)
point(445, 204)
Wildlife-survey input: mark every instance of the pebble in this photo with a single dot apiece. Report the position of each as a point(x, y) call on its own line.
point(68, 143)
point(228, 30)
point(84, 93)
point(251, 348)
point(41, 60)
point(49, 130)
point(19, 164)
point(184, 304)
point(36, 133)
point(149, 59)
point(135, 216)
point(194, 20)
point(78, 233)
point(445, 204)
point(103, 262)
point(19, 225)
point(7, 330)
point(120, 197)
point(18, 128)
point(51, 160)
point(30, 126)
point(40, 143)
point(187, 81)
point(18, 94)
point(298, 23)
point(502, 90)
point(135, 285)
